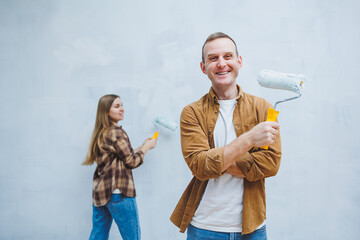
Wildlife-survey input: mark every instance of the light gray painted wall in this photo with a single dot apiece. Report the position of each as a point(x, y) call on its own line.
point(58, 57)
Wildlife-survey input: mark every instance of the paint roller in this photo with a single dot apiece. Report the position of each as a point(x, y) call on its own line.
point(161, 121)
point(284, 81)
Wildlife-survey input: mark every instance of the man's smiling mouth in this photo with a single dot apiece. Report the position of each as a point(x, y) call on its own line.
point(222, 73)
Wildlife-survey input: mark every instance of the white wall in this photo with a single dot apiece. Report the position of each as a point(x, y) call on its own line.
point(57, 58)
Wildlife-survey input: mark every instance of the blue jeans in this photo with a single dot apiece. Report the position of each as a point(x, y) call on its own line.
point(194, 233)
point(124, 211)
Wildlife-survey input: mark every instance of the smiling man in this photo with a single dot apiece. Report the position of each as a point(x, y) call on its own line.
point(221, 139)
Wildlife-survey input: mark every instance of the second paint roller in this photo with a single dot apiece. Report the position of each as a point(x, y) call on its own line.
point(161, 121)
point(284, 81)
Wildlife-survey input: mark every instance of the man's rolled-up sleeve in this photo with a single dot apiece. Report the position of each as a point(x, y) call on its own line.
point(261, 163)
point(204, 163)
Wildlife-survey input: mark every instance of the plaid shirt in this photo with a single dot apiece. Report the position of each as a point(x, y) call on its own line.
point(114, 166)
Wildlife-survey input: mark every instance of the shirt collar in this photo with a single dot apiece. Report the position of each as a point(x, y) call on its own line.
point(214, 99)
point(116, 125)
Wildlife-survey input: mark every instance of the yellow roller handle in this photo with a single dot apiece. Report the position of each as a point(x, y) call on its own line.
point(156, 134)
point(271, 117)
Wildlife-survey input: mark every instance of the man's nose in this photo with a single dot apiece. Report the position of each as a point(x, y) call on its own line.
point(221, 62)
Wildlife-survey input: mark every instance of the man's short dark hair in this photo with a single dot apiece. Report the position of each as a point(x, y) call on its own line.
point(214, 36)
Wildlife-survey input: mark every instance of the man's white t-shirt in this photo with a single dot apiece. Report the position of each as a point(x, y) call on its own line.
point(220, 208)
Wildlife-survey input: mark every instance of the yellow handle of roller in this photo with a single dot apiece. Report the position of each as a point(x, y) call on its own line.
point(271, 117)
point(156, 134)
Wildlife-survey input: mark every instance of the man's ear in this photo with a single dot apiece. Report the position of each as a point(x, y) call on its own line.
point(240, 61)
point(203, 68)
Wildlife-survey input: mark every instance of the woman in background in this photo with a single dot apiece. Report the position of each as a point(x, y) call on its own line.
point(113, 184)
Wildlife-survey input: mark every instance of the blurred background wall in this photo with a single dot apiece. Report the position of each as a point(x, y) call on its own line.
point(57, 58)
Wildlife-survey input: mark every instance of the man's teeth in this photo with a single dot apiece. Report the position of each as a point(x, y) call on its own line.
point(222, 73)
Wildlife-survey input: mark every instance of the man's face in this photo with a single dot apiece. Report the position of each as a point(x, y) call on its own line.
point(221, 63)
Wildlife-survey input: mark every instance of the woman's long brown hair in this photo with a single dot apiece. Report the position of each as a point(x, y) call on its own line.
point(102, 124)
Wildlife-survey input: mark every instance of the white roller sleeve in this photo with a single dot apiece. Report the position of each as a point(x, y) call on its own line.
point(164, 122)
point(278, 80)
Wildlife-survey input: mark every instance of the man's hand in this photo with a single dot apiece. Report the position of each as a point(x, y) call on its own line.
point(264, 134)
point(261, 135)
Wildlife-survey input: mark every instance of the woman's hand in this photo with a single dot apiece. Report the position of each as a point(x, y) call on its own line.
point(150, 143)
